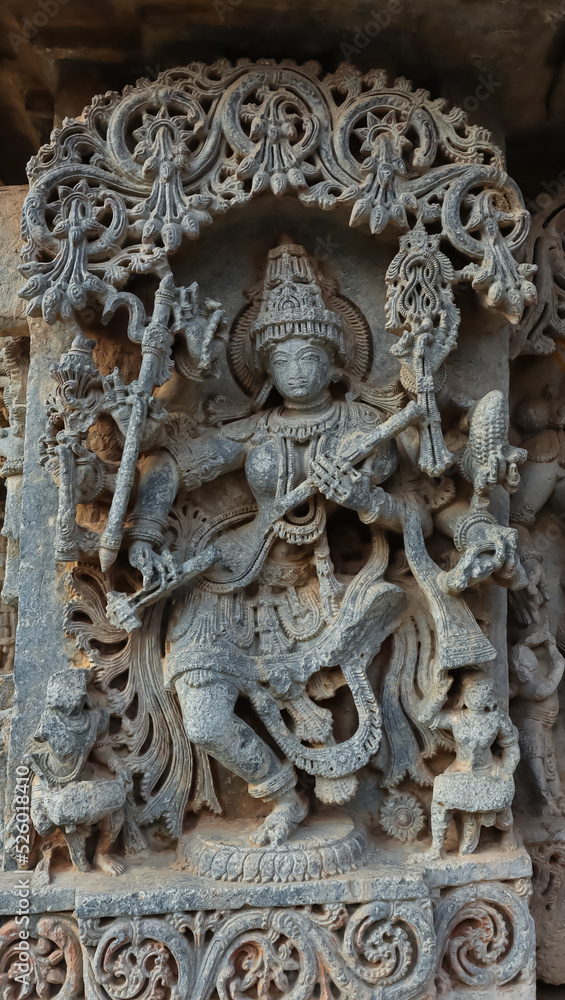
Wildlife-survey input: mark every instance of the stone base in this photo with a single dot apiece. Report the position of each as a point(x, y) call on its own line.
point(458, 928)
point(319, 848)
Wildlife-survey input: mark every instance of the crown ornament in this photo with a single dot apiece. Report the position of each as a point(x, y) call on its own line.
point(292, 304)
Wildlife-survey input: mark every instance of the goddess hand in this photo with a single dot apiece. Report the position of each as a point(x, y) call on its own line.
point(502, 467)
point(346, 485)
point(494, 551)
point(155, 568)
point(117, 400)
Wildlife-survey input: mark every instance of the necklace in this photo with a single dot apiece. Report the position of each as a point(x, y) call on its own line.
point(303, 427)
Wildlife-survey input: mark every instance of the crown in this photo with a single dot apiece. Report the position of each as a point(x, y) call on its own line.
point(292, 304)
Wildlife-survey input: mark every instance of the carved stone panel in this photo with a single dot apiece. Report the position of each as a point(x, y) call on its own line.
point(537, 614)
point(269, 428)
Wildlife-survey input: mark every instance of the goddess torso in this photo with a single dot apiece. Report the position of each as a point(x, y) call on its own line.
point(284, 600)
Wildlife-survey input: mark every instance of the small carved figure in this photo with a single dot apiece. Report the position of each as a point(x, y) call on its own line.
point(537, 671)
point(74, 790)
point(541, 421)
point(478, 785)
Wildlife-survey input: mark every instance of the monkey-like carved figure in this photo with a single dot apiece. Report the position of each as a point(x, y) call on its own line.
point(78, 789)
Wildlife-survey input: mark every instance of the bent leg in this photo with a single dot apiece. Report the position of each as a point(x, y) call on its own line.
point(210, 722)
point(471, 832)
point(534, 770)
point(440, 819)
point(76, 843)
point(505, 823)
point(109, 828)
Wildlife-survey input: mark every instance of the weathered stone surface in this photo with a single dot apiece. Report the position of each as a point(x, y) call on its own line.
point(12, 309)
point(537, 615)
point(264, 552)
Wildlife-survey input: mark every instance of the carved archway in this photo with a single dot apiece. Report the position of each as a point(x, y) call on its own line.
point(117, 190)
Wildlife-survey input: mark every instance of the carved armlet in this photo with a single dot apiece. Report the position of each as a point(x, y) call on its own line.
point(146, 528)
point(383, 507)
point(464, 524)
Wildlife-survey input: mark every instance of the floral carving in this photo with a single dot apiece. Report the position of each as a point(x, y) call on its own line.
point(294, 559)
point(163, 148)
point(276, 126)
point(485, 936)
point(143, 958)
point(283, 132)
point(78, 238)
point(381, 200)
point(402, 816)
point(45, 965)
point(548, 907)
point(265, 952)
point(542, 327)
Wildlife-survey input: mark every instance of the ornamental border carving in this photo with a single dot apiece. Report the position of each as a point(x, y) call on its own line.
point(117, 190)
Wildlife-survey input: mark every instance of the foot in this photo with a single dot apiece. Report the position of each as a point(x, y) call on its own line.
point(432, 854)
point(109, 865)
point(508, 840)
point(289, 810)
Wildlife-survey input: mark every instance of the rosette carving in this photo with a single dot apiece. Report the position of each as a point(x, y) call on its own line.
point(485, 937)
point(143, 958)
point(40, 957)
point(392, 945)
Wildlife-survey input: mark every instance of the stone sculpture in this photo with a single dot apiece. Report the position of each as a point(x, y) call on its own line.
point(301, 460)
point(535, 709)
point(74, 791)
point(281, 534)
point(538, 612)
point(477, 786)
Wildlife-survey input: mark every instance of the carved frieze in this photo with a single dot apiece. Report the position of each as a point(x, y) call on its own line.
point(477, 937)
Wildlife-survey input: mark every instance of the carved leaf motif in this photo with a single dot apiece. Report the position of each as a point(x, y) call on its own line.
point(485, 936)
point(170, 772)
point(267, 126)
point(266, 953)
point(543, 322)
point(145, 959)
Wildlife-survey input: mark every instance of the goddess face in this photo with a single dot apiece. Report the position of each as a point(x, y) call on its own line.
point(301, 371)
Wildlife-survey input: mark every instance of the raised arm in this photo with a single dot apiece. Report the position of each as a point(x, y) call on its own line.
point(157, 489)
point(508, 742)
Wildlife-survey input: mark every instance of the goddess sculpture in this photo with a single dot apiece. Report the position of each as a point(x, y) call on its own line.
point(270, 618)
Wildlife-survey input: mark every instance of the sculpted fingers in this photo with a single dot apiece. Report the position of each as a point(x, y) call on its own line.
point(493, 467)
point(322, 474)
point(170, 565)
